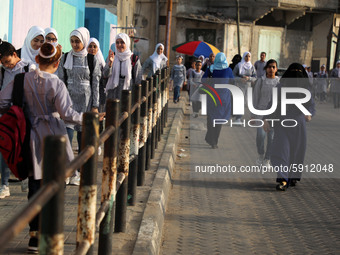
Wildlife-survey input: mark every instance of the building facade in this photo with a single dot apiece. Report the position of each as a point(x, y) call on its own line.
point(287, 30)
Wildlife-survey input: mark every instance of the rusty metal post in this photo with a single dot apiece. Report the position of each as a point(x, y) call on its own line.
point(123, 164)
point(52, 215)
point(88, 184)
point(143, 135)
point(159, 106)
point(149, 142)
point(109, 177)
point(162, 100)
point(167, 94)
point(135, 136)
point(154, 117)
point(164, 97)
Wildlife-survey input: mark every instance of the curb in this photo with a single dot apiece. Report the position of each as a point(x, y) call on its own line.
point(150, 231)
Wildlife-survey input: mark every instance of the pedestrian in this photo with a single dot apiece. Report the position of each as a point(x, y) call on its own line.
point(236, 59)
point(155, 62)
point(260, 64)
point(51, 35)
point(322, 84)
point(262, 96)
point(11, 65)
point(126, 69)
point(195, 80)
point(44, 89)
point(220, 71)
point(209, 62)
point(245, 75)
point(33, 41)
point(289, 143)
point(81, 73)
point(203, 59)
point(335, 85)
point(94, 49)
point(178, 77)
point(189, 72)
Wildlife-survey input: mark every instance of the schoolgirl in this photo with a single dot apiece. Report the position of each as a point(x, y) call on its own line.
point(195, 80)
point(43, 88)
point(51, 35)
point(246, 74)
point(322, 84)
point(94, 49)
point(219, 70)
point(33, 41)
point(178, 76)
point(81, 73)
point(262, 96)
point(335, 85)
point(126, 68)
point(156, 61)
point(11, 65)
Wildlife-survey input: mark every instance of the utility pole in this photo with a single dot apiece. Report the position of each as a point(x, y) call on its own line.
point(168, 29)
point(238, 25)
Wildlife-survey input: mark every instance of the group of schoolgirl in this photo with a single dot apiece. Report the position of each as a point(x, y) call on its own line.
point(58, 88)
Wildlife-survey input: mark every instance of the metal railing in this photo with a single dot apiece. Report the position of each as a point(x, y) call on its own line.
point(140, 123)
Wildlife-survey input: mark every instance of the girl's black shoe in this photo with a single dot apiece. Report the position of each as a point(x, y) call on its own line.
point(293, 183)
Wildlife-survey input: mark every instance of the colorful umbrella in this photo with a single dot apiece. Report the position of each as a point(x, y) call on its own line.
point(196, 48)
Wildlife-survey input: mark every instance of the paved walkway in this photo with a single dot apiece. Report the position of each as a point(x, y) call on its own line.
point(123, 242)
point(247, 215)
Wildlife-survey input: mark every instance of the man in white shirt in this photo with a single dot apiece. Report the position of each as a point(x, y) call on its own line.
point(260, 64)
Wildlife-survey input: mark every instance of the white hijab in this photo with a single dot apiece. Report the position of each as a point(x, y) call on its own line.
point(99, 54)
point(84, 36)
point(27, 52)
point(51, 30)
point(157, 59)
point(121, 65)
point(324, 71)
point(243, 65)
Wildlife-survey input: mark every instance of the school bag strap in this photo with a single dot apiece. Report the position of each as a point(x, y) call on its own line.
point(134, 59)
point(65, 73)
point(2, 77)
point(18, 90)
point(90, 60)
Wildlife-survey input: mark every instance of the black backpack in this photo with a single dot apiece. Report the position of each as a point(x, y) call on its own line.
point(90, 58)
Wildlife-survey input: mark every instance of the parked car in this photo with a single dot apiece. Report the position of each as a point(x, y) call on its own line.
point(280, 71)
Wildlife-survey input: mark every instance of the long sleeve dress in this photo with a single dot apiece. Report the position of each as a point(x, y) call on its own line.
point(47, 103)
point(84, 95)
point(148, 66)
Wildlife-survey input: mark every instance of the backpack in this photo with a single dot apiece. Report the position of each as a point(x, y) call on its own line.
point(134, 59)
point(3, 75)
point(90, 58)
point(15, 133)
